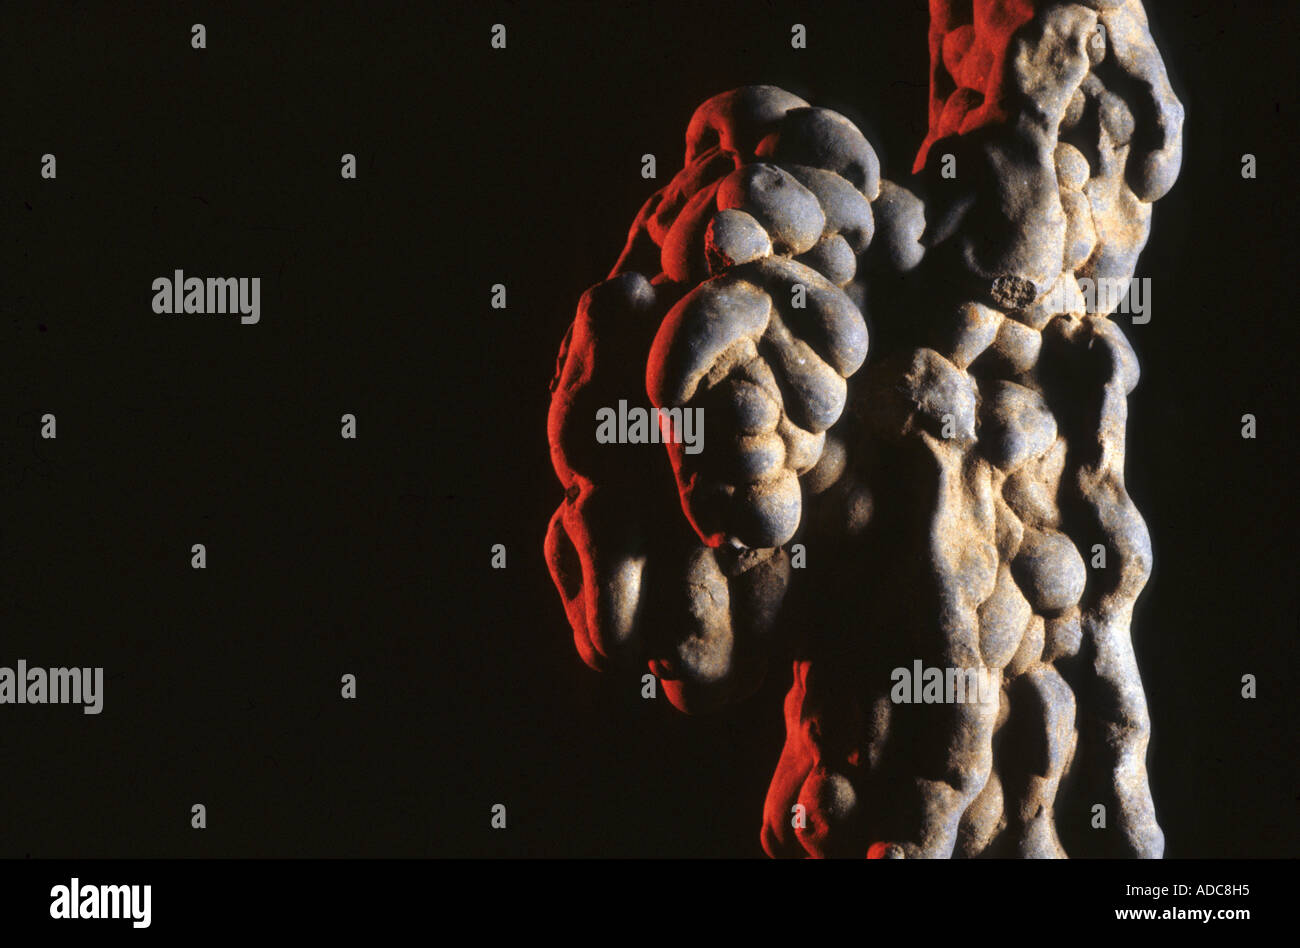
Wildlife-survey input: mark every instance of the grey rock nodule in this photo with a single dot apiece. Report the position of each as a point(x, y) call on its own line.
point(917, 396)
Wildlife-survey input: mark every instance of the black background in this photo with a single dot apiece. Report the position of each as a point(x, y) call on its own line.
point(518, 166)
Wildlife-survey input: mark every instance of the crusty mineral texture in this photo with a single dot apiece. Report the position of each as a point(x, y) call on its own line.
point(936, 532)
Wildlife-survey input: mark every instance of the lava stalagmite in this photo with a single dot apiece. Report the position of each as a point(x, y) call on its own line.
point(943, 495)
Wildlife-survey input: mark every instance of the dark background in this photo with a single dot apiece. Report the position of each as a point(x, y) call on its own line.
point(326, 556)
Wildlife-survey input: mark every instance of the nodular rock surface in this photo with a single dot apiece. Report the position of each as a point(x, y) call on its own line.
point(948, 494)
